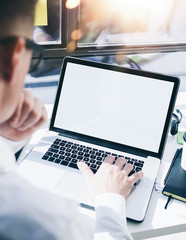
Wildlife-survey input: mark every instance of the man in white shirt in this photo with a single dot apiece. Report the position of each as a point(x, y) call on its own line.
point(27, 212)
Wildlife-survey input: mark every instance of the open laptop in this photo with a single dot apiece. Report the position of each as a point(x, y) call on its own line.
point(101, 110)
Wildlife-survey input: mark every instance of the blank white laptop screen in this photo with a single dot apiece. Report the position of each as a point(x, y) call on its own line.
point(114, 106)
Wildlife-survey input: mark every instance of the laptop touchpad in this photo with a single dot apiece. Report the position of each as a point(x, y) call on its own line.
point(73, 185)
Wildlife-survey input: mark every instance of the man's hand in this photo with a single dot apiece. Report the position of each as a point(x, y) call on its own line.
point(111, 178)
point(28, 117)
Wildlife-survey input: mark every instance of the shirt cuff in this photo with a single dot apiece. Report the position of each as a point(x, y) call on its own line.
point(114, 201)
point(13, 145)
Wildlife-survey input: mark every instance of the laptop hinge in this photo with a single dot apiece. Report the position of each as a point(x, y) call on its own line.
point(67, 135)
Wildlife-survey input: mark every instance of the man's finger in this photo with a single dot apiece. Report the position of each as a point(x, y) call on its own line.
point(109, 159)
point(120, 162)
point(136, 176)
point(27, 107)
point(15, 119)
point(34, 116)
point(87, 172)
point(41, 121)
point(128, 168)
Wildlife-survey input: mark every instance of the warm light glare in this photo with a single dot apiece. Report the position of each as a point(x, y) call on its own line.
point(76, 34)
point(71, 46)
point(128, 16)
point(70, 4)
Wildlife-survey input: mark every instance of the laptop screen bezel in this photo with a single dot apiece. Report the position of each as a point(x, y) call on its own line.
point(109, 144)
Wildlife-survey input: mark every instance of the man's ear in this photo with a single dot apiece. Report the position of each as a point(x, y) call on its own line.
point(11, 58)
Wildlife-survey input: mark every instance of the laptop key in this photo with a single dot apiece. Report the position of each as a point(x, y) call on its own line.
point(131, 162)
point(86, 151)
point(53, 150)
point(49, 153)
point(74, 160)
point(67, 154)
point(132, 172)
point(140, 161)
point(114, 154)
point(74, 147)
point(45, 157)
point(55, 146)
point(74, 151)
point(138, 164)
point(98, 154)
point(68, 150)
point(80, 149)
point(51, 159)
point(68, 159)
point(61, 152)
point(99, 158)
point(92, 161)
point(57, 160)
point(138, 169)
point(65, 163)
point(94, 170)
point(73, 165)
point(93, 166)
point(95, 149)
point(62, 144)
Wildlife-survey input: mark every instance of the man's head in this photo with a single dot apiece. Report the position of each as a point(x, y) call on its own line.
point(16, 18)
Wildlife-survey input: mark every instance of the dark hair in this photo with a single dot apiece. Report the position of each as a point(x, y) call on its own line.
point(13, 10)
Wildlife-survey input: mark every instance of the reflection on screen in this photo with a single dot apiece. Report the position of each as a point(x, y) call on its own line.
point(114, 106)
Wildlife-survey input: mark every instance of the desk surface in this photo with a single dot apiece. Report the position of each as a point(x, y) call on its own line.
point(158, 221)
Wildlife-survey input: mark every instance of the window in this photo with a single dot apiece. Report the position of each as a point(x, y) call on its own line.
point(48, 25)
point(84, 27)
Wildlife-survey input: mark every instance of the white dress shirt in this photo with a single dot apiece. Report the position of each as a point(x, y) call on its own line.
point(30, 213)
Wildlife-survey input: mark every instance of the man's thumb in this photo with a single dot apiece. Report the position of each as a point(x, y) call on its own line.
point(87, 172)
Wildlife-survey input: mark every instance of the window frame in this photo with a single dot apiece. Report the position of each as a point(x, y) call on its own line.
point(70, 21)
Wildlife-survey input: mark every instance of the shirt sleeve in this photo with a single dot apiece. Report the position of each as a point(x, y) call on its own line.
point(13, 145)
point(111, 218)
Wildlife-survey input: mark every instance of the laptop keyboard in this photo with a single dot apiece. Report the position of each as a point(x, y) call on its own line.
point(68, 154)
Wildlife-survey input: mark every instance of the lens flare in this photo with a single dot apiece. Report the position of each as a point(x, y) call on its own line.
point(70, 4)
point(76, 34)
point(71, 46)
